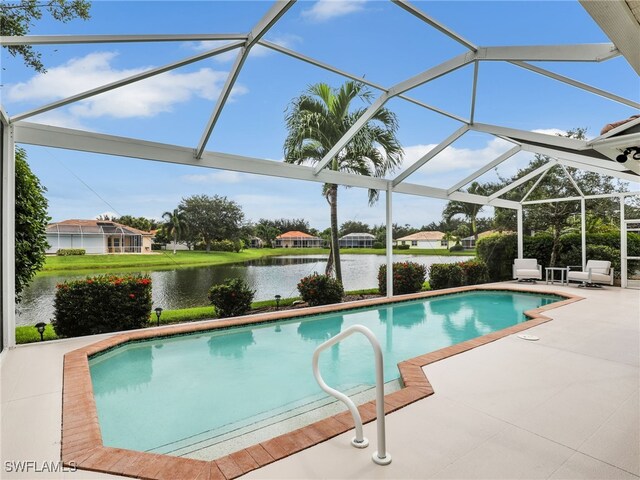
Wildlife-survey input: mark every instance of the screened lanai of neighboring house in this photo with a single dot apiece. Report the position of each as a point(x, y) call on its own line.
point(614, 153)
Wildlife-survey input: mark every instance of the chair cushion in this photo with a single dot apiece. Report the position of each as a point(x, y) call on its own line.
point(528, 272)
point(526, 263)
point(584, 277)
point(598, 266)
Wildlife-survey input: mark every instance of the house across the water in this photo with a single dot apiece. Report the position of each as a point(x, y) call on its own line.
point(295, 239)
point(97, 237)
point(433, 239)
point(357, 240)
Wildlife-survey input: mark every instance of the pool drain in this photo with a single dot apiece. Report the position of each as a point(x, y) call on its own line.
point(531, 338)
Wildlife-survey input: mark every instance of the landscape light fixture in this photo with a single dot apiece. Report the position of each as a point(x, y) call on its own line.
point(631, 152)
point(40, 327)
point(158, 313)
point(278, 297)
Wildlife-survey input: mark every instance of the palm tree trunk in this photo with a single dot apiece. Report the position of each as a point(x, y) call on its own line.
point(474, 231)
point(175, 241)
point(335, 244)
point(328, 271)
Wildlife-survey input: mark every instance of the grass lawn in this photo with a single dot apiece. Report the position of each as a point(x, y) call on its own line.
point(29, 334)
point(163, 260)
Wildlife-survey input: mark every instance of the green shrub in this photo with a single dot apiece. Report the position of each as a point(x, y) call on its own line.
point(65, 252)
point(101, 304)
point(445, 275)
point(378, 245)
point(231, 298)
point(408, 277)
point(474, 272)
point(320, 290)
point(456, 248)
point(223, 246)
point(402, 247)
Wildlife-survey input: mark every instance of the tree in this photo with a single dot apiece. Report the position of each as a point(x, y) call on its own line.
point(31, 223)
point(174, 225)
point(140, 223)
point(212, 218)
point(16, 19)
point(351, 226)
point(469, 210)
point(265, 230)
point(318, 119)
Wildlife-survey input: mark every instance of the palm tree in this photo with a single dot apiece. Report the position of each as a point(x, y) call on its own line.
point(469, 210)
point(174, 224)
point(317, 119)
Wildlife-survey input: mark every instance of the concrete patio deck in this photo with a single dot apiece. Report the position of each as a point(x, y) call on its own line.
point(566, 406)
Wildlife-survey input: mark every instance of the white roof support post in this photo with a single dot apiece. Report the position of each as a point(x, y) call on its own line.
point(523, 179)
point(571, 179)
point(58, 137)
point(413, 10)
point(520, 221)
point(430, 154)
point(8, 235)
point(126, 81)
point(623, 245)
point(577, 84)
point(474, 89)
point(506, 155)
point(86, 39)
point(535, 185)
point(590, 52)
point(270, 18)
point(583, 231)
point(599, 167)
point(398, 89)
point(330, 68)
point(389, 238)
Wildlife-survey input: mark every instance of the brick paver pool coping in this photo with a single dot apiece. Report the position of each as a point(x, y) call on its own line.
point(82, 441)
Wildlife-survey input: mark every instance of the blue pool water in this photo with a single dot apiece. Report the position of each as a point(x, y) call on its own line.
point(158, 394)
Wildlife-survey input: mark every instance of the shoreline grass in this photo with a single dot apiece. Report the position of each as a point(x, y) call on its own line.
point(29, 334)
point(165, 260)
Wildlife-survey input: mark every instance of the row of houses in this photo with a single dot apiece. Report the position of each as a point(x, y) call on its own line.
point(99, 237)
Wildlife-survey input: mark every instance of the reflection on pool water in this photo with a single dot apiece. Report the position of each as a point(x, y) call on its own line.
point(169, 395)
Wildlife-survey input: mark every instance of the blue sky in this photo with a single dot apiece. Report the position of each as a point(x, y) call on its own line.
point(372, 38)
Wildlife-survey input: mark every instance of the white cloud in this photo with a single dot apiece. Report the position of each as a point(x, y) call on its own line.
point(285, 40)
point(327, 9)
point(453, 159)
point(141, 99)
point(59, 118)
point(223, 176)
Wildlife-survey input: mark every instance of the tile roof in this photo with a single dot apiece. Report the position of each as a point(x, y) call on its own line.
point(295, 234)
point(94, 225)
point(424, 236)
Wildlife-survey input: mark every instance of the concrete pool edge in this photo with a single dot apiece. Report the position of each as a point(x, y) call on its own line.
point(81, 437)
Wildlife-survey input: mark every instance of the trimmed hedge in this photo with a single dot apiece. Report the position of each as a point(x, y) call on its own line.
point(474, 272)
point(66, 252)
point(402, 247)
point(449, 275)
point(408, 277)
point(101, 304)
point(320, 290)
point(456, 248)
point(445, 275)
point(231, 298)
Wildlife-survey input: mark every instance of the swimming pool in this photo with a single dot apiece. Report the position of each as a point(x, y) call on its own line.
point(175, 395)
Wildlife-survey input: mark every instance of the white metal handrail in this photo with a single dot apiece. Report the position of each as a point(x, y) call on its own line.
point(381, 456)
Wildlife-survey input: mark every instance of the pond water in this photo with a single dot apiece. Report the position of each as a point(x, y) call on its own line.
point(188, 287)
